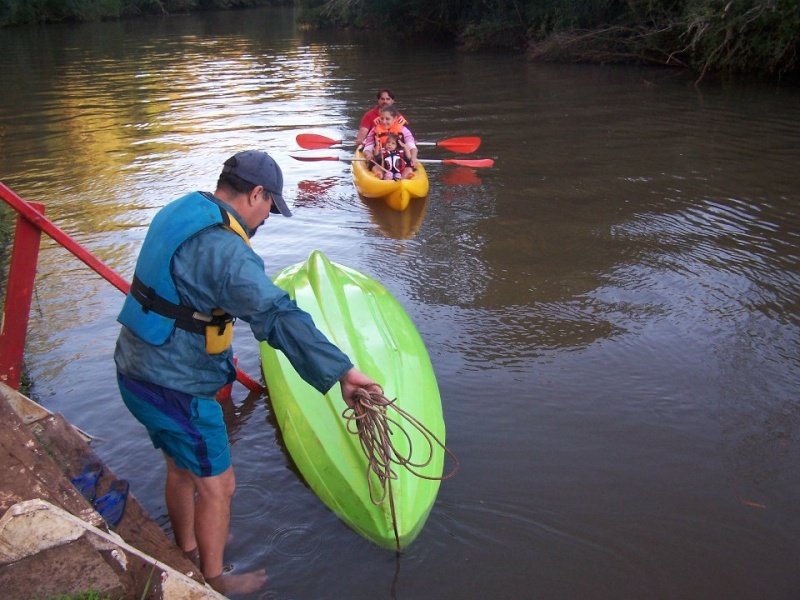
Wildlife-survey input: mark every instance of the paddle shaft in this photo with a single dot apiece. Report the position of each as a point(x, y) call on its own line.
point(464, 162)
point(314, 141)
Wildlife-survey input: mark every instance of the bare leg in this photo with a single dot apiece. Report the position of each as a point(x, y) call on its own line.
point(212, 523)
point(179, 495)
point(212, 519)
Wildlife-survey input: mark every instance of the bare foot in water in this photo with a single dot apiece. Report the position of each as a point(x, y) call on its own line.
point(194, 555)
point(239, 583)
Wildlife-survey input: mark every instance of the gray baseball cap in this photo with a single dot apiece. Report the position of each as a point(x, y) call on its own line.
point(259, 168)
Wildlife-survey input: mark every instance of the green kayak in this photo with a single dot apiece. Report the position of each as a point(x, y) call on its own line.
point(361, 317)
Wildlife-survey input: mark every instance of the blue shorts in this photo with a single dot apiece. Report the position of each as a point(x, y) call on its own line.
point(188, 429)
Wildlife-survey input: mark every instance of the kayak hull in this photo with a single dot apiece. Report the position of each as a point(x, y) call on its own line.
point(361, 317)
point(397, 194)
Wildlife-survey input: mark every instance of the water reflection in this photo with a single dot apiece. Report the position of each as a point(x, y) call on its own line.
point(316, 192)
point(460, 176)
point(399, 225)
point(237, 414)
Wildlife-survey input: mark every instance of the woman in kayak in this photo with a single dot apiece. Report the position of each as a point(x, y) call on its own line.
point(390, 121)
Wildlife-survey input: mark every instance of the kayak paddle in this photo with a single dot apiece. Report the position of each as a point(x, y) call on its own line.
point(467, 145)
point(464, 162)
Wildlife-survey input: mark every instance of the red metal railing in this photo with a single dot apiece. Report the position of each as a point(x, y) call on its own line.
point(21, 275)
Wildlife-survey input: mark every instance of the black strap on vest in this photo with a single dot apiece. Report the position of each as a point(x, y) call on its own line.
point(185, 317)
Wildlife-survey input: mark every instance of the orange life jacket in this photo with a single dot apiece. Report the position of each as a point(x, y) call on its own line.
point(381, 132)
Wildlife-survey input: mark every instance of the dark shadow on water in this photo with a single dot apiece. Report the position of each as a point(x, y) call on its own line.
point(273, 422)
point(237, 415)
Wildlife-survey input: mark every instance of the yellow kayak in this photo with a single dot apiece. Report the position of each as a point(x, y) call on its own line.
point(397, 194)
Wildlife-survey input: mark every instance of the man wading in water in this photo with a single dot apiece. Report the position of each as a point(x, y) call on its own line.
point(195, 274)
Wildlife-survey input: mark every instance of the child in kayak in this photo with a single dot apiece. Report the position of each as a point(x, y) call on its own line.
point(393, 160)
point(389, 122)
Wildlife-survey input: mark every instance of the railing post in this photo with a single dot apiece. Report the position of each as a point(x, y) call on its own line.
point(19, 296)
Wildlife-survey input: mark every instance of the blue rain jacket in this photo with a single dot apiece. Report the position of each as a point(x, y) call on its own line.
point(215, 268)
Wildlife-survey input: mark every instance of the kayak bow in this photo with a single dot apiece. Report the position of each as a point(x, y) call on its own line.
point(397, 194)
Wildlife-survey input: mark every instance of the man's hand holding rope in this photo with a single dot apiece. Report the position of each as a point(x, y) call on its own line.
point(366, 416)
point(353, 382)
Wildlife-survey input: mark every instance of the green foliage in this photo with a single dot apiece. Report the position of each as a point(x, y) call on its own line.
point(20, 12)
point(92, 10)
point(653, 12)
point(17, 12)
point(744, 36)
point(733, 36)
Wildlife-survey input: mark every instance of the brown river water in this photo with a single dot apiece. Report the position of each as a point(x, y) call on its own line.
point(612, 310)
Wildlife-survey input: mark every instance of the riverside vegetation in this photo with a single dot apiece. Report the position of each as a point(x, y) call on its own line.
point(757, 38)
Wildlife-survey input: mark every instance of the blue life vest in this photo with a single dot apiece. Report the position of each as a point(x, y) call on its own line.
point(152, 307)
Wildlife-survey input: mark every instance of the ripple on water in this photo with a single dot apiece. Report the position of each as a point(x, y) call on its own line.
point(297, 542)
point(254, 500)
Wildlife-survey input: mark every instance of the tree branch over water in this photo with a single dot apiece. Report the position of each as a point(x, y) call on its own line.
point(753, 37)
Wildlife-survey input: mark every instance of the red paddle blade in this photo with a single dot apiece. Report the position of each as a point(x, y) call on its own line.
point(314, 141)
point(469, 162)
point(466, 145)
point(315, 158)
